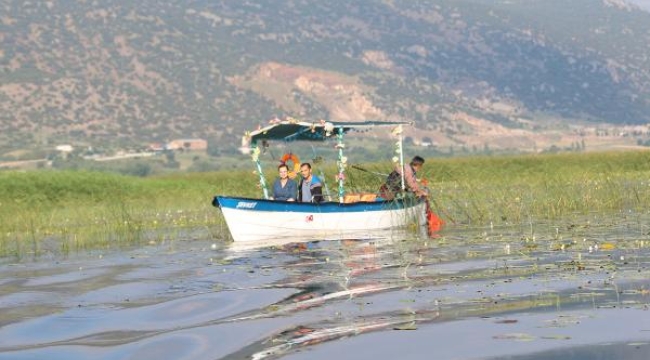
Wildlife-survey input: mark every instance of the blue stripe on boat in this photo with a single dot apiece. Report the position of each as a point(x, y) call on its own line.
point(324, 207)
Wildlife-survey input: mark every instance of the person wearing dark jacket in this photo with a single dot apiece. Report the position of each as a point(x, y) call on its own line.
point(310, 188)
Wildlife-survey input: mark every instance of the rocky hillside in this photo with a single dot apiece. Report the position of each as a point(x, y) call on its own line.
point(489, 72)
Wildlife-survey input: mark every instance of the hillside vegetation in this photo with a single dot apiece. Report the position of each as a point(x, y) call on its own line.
point(489, 72)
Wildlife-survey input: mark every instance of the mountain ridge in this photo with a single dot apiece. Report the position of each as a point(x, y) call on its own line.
point(467, 72)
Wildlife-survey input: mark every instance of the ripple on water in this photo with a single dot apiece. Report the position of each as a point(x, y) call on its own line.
point(469, 293)
point(192, 311)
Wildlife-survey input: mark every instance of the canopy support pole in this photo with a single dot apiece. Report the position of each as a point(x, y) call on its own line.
point(256, 158)
point(341, 164)
point(400, 148)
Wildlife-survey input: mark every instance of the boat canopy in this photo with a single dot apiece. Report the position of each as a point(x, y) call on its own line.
point(292, 130)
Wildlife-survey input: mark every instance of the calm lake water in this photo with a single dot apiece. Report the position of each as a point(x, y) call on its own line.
point(579, 289)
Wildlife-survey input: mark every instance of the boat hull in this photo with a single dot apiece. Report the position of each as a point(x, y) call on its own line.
point(258, 219)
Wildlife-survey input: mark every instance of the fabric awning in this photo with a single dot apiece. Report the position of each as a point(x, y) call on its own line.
point(289, 130)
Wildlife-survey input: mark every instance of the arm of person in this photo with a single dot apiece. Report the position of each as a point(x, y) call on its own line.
point(316, 190)
point(292, 190)
point(412, 182)
point(317, 193)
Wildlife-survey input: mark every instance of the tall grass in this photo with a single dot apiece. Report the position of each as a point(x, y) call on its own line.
point(510, 189)
point(517, 188)
point(70, 210)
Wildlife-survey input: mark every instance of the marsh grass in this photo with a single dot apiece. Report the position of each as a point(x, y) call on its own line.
point(44, 211)
point(50, 211)
point(518, 188)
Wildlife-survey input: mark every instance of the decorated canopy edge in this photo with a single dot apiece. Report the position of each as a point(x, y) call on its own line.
point(291, 130)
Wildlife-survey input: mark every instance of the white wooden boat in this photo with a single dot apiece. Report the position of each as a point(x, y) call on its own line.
point(259, 219)
point(251, 219)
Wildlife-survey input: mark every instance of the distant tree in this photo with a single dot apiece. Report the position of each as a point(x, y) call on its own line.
point(486, 149)
point(213, 149)
point(554, 149)
point(140, 169)
point(171, 160)
point(170, 156)
point(203, 166)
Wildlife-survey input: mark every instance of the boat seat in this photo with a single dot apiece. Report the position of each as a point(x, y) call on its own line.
point(357, 197)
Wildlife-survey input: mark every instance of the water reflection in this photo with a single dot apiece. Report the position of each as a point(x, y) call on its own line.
point(627, 351)
point(273, 299)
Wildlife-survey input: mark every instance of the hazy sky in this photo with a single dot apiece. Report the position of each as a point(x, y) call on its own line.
point(643, 3)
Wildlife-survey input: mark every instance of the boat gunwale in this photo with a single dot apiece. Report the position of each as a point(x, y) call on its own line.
point(285, 206)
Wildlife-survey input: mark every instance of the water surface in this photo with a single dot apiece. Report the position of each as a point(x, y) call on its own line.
point(575, 289)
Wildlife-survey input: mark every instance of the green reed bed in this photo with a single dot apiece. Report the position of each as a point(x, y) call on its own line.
point(62, 211)
point(520, 188)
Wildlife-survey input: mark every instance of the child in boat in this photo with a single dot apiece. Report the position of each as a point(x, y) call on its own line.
point(393, 185)
point(284, 188)
point(310, 188)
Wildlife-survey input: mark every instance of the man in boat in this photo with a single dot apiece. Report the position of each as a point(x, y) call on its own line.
point(310, 188)
point(283, 187)
point(393, 185)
